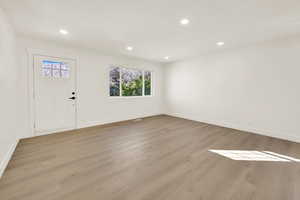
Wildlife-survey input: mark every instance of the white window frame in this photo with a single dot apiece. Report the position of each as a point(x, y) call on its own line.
point(120, 82)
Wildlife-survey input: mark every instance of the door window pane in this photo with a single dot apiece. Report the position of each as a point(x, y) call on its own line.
point(64, 66)
point(56, 65)
point(65, 73)
point(47, 72)
point(55, 69)
point(55, 73)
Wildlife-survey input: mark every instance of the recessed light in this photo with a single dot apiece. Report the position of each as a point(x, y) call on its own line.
point(129, 48)
point(167, 57)
point(220, 43)
point(184, 21)
point(63, 31)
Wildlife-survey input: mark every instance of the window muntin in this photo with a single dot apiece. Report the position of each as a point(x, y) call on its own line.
point(128, 82)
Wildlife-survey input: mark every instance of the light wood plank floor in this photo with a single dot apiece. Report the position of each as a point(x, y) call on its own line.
point(158, 158)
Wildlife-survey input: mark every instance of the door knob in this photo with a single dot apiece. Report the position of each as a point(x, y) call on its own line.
point(73, 98)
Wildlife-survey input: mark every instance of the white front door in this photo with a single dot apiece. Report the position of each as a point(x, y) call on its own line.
point(54, 94)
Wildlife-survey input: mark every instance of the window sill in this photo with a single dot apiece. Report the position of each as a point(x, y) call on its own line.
point(130, 97)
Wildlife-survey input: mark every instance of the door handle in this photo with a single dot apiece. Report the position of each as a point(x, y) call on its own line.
point(73, 98)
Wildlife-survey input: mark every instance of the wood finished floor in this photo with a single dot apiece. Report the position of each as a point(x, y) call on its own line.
point(158, 158)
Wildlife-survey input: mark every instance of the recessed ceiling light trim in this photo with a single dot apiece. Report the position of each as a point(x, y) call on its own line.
point(184, 21)
point(220, 43)
point(64, 31)
point(129, 48)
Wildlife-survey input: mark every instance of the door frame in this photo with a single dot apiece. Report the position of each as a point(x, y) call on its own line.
point(54, 54)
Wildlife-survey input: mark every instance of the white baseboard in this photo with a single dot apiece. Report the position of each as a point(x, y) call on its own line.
point(81, 125)
point(270, 133)
point(91, 124)
point(7, 157)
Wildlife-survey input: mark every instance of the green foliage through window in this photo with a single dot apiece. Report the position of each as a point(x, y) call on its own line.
point(114, 86)
point(147, 78)
point(130, 82)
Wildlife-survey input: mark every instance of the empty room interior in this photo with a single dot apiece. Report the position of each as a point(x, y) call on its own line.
point(150, 100)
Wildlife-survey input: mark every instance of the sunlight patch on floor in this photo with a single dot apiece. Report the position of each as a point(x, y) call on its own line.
point(254, 155)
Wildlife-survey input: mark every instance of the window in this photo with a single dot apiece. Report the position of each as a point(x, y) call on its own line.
point(55, 69)
point(132, 82)
point(114, 86)
point(129, 82)
point(147, 81)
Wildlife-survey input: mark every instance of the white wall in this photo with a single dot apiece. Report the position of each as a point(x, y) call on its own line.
point(8, 89)
point(256, 88)
point(94, 105)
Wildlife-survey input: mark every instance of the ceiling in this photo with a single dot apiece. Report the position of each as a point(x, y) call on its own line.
point(152, 27)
